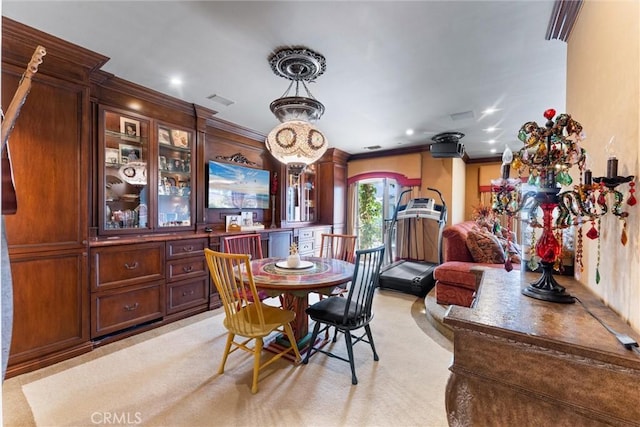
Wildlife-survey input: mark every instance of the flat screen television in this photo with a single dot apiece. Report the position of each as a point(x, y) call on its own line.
point(234, 186)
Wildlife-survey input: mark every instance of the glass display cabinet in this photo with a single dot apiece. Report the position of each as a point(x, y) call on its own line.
point(300, 191)
point(131, 144)
point(125, 186)
point(174, 177)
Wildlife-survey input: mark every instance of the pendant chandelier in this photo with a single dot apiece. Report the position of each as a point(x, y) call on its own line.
point(296, 141)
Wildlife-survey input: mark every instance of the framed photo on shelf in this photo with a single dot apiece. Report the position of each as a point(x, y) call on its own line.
point(129, 153)
point(163, 136)
point(111, 156)
point(130, 129)
point(180, 138)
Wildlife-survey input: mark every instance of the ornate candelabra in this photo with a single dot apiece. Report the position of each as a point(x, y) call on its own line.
point(548, 154)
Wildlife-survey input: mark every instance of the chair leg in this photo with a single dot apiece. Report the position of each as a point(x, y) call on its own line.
point(257, 352)
point(227, 347)
point(373, 347)
point(347, 338)
point(292, 339)
point(335, 334)
point(314, 335)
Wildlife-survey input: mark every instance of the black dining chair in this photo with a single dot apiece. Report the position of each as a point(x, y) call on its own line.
point(351, 313)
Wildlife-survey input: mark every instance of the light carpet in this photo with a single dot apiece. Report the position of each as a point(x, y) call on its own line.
point(171, 380)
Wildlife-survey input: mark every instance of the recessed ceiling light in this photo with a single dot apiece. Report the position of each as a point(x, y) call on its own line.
point(492, 141)
point(409, 132)
point(491, 129)
point(493, 150)
point(175, 81)
point(490, 110)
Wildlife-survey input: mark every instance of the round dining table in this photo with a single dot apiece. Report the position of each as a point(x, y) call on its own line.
point(315, 274)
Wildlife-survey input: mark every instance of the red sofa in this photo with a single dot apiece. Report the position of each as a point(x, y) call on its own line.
point(458, 277)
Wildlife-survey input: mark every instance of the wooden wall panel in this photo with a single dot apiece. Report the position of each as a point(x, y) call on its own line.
point(49, 166)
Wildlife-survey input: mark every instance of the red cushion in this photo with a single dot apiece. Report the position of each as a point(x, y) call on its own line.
point(459, 273)
point(455, 241)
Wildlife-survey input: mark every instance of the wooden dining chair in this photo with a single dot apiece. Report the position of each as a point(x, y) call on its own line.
point(248, 244)
point(338, 246)
point(245, 244)
point(352, 312)
point(247, 317)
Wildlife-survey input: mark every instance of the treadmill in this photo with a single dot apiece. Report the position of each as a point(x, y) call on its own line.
point(410, 275)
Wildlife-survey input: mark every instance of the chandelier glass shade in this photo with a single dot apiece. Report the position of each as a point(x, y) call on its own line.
point(296, 140)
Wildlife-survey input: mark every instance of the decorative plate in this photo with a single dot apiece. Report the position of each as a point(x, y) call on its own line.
point(134, 173)
point(302, 266)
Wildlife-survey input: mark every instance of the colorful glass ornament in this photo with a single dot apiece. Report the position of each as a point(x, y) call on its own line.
point(631, 201)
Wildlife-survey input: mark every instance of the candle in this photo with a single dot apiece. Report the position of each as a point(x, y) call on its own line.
point(587, 177)
point(612, 167)
point(506, 168)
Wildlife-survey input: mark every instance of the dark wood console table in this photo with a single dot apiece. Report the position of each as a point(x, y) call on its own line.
point(520, 361)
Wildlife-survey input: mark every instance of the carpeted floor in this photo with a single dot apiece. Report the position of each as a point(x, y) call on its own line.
point(167, 377)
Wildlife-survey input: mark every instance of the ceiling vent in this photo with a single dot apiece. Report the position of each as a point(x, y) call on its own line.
point(373, 147)
point(220, 100)
point(462, 116)
point(447, 145)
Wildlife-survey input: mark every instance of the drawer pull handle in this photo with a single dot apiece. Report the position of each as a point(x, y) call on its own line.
point(185, 293)
point(131, 307)
point(131, 266)
point(188, 248)
point(187, 269)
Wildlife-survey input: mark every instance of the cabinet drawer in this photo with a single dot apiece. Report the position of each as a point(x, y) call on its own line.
point(187, 294)
point(305, 247)
point(116, 310)
point(187, 247)
point(118, 266)
point(186, 268)
point(306, 235)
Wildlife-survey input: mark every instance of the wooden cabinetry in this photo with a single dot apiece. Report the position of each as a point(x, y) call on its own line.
point(127, 286)
point(519, 361)
point(187, 276)
point(138, 193)
point(47, 237)
point(279, 243)
point(308, 239)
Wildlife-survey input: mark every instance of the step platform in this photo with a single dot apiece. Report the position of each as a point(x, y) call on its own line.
point(411, 277)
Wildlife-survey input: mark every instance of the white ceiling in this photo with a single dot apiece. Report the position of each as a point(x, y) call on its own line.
point(391, 65)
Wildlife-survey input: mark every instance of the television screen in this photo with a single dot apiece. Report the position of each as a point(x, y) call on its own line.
point(235, 186)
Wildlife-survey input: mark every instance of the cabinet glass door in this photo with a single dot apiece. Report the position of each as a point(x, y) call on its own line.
point(174, 177)
point(300, 193)
point(125, 186)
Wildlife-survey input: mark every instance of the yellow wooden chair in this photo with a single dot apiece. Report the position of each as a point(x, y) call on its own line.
point(247, 317)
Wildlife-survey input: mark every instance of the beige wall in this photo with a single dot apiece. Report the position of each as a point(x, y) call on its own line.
point(409, 165)
point(603, 94)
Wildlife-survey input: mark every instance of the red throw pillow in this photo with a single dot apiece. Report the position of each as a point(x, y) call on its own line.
point(485, 247)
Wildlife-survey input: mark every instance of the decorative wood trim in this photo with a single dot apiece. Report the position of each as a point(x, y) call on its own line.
point(237, 158)
point(64, 60)
point(563, 17)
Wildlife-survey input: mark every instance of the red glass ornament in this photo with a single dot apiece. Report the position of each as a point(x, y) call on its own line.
point(632, 200)
point(548, 248)
point(592, 233)
point(549, 114)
